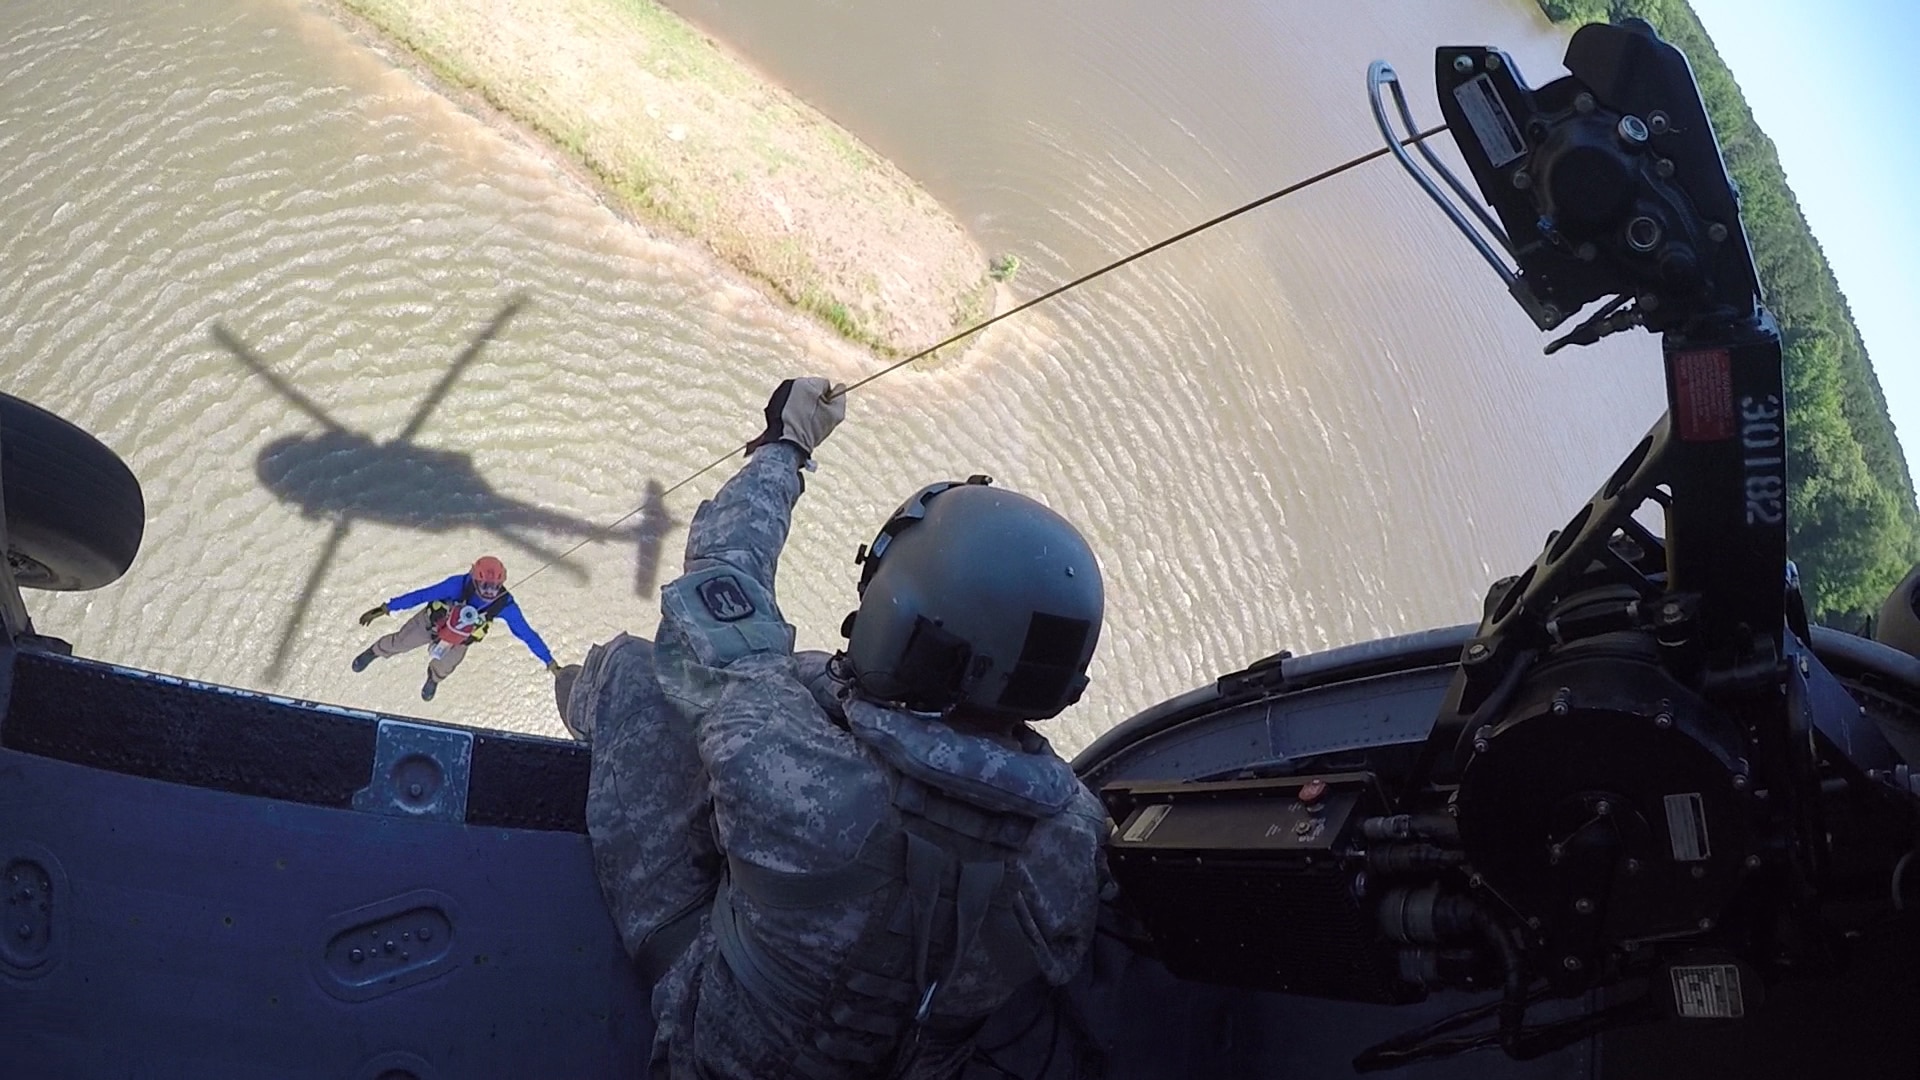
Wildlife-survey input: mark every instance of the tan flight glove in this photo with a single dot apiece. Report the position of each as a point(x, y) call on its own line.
point(800, 412)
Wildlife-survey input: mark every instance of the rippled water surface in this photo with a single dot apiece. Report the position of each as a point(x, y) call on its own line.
point(247, 252)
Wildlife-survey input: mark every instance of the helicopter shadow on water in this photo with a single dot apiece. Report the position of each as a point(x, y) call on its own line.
point(345, 476)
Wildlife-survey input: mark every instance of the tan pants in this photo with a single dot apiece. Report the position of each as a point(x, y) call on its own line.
point(418, 631)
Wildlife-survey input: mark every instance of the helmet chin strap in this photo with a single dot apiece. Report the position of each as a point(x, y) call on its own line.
point(979, 721)
point(972, 718)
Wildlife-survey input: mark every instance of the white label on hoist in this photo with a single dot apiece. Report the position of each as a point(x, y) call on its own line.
point(1708, 992)
point(1491, 122)
point(1144, 824)
point(1763, 433)
point(1687, 827)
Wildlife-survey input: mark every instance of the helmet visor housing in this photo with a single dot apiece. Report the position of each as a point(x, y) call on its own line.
point(976, 596)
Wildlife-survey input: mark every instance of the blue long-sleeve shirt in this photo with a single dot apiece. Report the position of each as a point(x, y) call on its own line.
point(450, 590)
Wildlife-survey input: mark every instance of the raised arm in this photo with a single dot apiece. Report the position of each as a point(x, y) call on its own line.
point(745, 525)
point(722, 607)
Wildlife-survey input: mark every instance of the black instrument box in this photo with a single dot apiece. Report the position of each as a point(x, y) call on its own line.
point(1257, 883)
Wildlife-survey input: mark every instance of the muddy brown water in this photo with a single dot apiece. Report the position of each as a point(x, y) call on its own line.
point(1318, 424)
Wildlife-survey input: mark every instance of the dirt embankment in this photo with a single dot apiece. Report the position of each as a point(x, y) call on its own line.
point(685, 136)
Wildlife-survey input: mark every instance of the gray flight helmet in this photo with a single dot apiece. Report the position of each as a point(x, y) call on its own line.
point(977, 596)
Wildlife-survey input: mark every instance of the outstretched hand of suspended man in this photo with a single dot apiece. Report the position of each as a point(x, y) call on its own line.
point(367, 617)
point(802, 412)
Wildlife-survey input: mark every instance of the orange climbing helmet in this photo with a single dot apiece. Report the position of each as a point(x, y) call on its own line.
point(489, 576)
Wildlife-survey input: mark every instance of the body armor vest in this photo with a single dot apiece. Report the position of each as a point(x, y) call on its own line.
point(473, 622)
point(940, 889)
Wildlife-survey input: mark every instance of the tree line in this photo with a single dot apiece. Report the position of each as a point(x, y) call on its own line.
point(1853, 528)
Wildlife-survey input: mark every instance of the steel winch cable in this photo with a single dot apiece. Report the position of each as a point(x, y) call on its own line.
point(1195, 230)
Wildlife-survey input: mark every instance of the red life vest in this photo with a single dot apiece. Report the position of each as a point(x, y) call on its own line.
point(462, 623)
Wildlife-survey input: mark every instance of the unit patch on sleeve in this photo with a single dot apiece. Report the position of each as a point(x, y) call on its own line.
point(725, 599)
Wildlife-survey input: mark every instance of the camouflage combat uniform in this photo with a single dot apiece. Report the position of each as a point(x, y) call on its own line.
point(828, 853)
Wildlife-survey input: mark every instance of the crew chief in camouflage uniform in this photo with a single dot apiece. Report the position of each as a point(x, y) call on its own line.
point(839, 866)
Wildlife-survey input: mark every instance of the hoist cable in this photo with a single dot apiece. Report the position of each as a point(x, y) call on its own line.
point(1324, 174)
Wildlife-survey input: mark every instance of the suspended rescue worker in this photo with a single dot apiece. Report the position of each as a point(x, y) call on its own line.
point(457, 614)
point(839, 866)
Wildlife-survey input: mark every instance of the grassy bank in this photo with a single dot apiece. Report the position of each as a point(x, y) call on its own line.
point(686, 137)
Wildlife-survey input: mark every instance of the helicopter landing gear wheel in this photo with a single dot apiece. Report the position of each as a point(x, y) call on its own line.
point(74, 512)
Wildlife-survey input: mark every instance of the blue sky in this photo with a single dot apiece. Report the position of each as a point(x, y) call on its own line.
point(1829, 83)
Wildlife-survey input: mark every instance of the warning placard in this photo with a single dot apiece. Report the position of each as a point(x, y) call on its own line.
point(1708, 992)
point(1703, 395)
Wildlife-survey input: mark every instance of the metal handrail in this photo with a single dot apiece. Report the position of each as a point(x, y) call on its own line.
point(1381, 74)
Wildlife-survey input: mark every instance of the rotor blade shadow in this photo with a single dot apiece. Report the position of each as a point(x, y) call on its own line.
point(278, 664)
point(285, 389)
point(460, 364)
